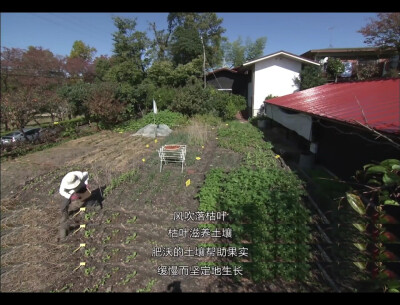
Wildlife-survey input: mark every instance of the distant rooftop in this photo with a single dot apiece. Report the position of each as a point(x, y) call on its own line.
point(347, 50)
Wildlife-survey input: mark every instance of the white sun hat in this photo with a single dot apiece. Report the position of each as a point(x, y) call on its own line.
point(73, 179)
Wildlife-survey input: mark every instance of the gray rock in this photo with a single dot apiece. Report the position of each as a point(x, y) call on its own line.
point(153, 130)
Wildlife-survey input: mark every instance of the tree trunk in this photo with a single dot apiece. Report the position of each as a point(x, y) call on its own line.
point(6, 125)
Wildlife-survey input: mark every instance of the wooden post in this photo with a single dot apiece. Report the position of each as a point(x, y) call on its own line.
point(204, 61)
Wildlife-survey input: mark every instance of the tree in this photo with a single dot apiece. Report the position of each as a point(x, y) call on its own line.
point(310, 76)
point(21, 106)
point(102, 65)
point(161, 40)
point(76, 68)
point(187, 28)
point(79, 63)
point(50, 102)
point(384, 31)
point(11, 62)
point(125, 72)
point(75, 95)
point(29, 78)
point(30, 68)
point(255, 49)
point(5, 112)
point(161, 73)
point(186, 45)
point(103, 106)
point(334, 67)
point(131, 45)
point(83, 51)
point(236, 53)
point(183, 74)
point(131, 53)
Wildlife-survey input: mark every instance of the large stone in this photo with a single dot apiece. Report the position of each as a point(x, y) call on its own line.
point(153, 131)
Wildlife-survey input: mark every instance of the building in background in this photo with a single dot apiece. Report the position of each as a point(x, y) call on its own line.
point(273, 74)
point(360, 63)
point(228, 80)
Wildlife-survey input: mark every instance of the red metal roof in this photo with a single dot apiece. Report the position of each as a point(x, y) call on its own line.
point(378, 103)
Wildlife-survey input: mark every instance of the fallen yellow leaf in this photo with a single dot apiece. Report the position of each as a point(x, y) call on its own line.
point(198, 158)
point(144, 160)
point(147, 145)
point(188, 182)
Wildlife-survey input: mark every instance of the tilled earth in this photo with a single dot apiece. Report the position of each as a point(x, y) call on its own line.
point(121, 237)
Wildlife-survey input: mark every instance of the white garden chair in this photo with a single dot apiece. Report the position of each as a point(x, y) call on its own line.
point(172, 153)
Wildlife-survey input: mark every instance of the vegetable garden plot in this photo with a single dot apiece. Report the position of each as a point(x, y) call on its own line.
point(153, 198)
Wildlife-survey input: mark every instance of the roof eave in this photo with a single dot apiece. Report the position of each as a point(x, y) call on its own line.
point(304, 60)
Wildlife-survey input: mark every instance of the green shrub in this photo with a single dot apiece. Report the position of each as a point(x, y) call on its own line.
point(334, 67)
point(310, 76)
point(225, 104)
point(367, 71)
point(264, 208)
point(190, 100)
point(164, 96)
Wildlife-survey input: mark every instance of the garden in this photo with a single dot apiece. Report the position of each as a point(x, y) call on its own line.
point(137, 243)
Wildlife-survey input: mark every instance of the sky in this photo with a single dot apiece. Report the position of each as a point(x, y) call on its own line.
point(296, 33)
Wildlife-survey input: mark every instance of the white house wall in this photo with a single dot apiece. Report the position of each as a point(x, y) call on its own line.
point(274, 76)
point(300, 123)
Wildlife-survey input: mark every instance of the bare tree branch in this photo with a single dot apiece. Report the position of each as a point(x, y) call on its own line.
point(379, 135)
point(397, 145)
point(362, 110)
